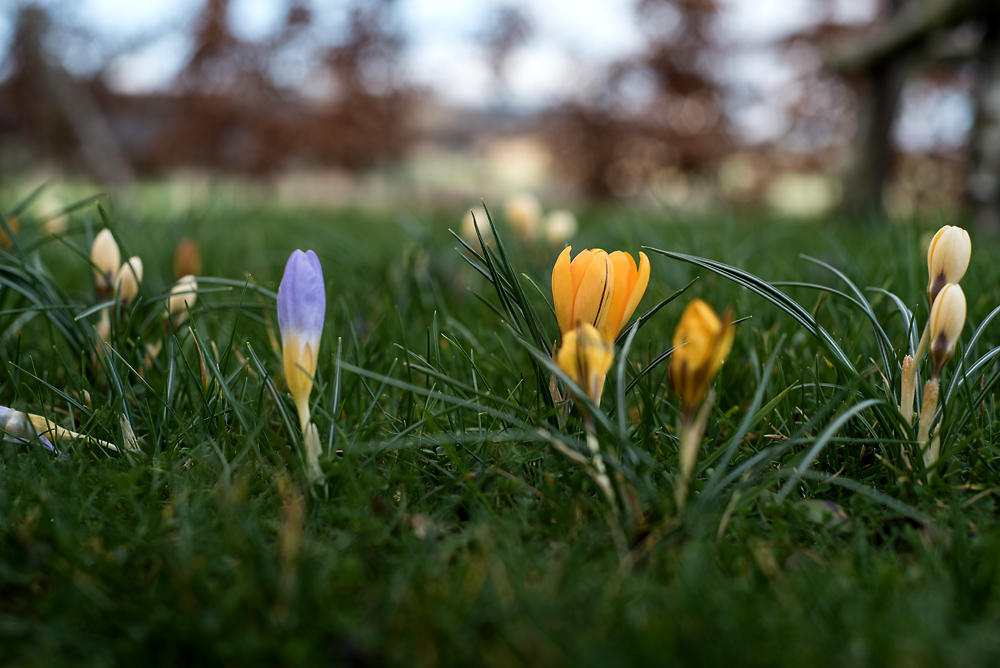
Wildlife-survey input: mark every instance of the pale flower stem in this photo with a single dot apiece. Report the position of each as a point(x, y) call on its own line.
point(601, 476)
point(931, 389)
point(690, 433)
point(908, 388)
point(313, 471)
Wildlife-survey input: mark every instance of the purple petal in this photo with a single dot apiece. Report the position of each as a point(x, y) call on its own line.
point(17, 429)
point(302, 297)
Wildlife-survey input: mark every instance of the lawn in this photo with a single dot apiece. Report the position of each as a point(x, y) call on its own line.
point(452, 523)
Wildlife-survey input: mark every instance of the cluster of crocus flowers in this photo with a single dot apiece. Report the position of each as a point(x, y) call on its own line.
point(593, 296)
point(301, 312)
point(700, 345)
point(947, 261)
point(112, 278)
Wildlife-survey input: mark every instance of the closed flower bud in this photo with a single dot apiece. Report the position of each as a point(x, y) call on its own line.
point(586, 357)
point(182, 298)
point(946, 322)
point(187, 258)
point(947, 259)
point(106, 257)
point(301, 312)
point(599, 289)
point(560, 227)
point(524, 212)
point(15, 226)
point(467, 229)
point(128, 279)
point(701, 343)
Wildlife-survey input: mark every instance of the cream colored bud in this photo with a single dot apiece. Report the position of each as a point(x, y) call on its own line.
point(467, 230)
point(106, 257)
point(187, 258)
point(524, 213)
point(182, 298)
point(560, 227)
point(128, 279)
point(947, 259)
point(946, 322)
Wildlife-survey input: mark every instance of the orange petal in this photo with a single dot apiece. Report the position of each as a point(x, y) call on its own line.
point(562, 292)
point(624, 271)
point(593, 298)
point(578, 268)
point(638, 288)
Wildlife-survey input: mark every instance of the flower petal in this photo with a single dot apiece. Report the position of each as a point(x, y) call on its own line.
point(562, 291)
point(593, 298)
point(637, 289)
point(625, 273)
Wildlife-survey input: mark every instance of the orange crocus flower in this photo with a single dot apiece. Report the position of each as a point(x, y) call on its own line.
point(598, 288)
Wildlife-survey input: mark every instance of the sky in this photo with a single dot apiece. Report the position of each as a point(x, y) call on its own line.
point(571, 41)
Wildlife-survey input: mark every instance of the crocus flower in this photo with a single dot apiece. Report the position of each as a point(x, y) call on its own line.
point(560, 226)
point(17, 427)
point(947, 259)
point(182, 297)
point(701, 343)
point(586, 357)
point(524, 212)
point(301, 311)
point(15, 226)
point(597, 288)
point(946, 321)
point(128, 279)
point(187, 258)
point(106, 257)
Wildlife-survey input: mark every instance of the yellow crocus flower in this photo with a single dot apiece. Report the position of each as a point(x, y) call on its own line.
point(701, 343)
point(597, 288)
point(586, 357)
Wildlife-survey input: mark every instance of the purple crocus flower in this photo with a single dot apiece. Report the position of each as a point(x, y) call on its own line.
point(17, 427)
point(301, 311)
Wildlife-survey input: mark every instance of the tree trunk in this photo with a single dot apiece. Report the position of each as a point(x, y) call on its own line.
point(983, 184)
point(871, 149)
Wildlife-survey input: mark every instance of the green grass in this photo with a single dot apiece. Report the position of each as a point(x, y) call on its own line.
point(447, 529)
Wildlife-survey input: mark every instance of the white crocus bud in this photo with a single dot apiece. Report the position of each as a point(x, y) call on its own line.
point(946, 322)
point(182, 298)
point(947, 259)
point(560, 227)
point(106, 257)
point(128, 279)
point(467, 229)
point(524, 212)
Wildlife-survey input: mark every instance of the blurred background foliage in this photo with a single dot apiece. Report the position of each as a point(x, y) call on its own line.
point(797, 107)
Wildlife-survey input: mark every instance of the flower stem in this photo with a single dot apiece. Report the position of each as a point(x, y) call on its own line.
point(690, 433)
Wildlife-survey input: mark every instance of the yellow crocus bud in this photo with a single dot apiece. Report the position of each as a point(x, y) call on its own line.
point(597, 288)
point(187, 258)
point(107, 258)
point(946, 322)
point(15, 226)
point(947, 259)
point(524, 212)
point(560, 227)
point(128, 279)
point(182, 297)
point(586, 357)
point(701, 343)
